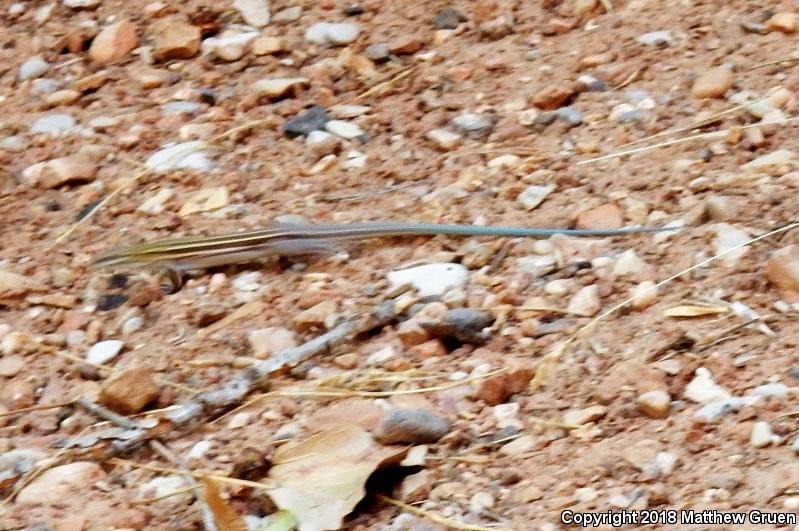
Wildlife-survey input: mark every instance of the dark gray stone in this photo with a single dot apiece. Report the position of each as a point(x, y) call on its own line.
point(314, 119)
point(414, 426)
point(448, 18)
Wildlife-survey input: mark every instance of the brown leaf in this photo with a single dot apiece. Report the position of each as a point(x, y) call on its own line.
point(225, 517)
point(321, 479)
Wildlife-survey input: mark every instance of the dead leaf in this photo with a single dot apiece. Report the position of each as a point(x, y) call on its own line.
point(205, 200)
point(321, 479)
point(225, 517)
point(695, 311)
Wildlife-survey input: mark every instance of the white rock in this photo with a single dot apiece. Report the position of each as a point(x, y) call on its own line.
point(728, 238)
point(103, 123)
point(629, 263)
point(53, 124)
point(255, 12)
point(665, 462)
point(503, 161)
point(444, 139)
point(239, 420)
point(559, 286)
point(620, 501)
point(770, 390)
point(655, 38)
point(532, 196)
point(761, 435)
point(342, 32)
point(381, 356)
point(132, 325)
point(585, 302)
point(775, 158)
point(537, 266)
point(229, 47)
point(332, 33)
point(344, 129)
point(199, 450)
point(586, 494)
point(247, 281)
point(431, 279)
point(82, 4)
point(156, 204)
point(104, 351)
point(507, 415)
point(32, 68)
point(184, 156)
point(718, 408)
point(795, 445)
point(702, 389)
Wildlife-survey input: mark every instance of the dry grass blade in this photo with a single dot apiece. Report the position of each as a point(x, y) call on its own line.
point(384, 84)
point(194, 473)
point(713, 134)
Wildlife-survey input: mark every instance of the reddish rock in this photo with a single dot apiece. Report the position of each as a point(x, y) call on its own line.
point(405, 44)
point(60, 483)
point(364, 413)
point(129, 391)
point(411, 333)
point(497, 389)
point(553, 97)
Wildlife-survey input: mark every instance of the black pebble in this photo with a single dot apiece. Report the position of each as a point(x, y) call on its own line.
point(314, 119)
point(85, 210)
point(353, 10)
point(110, 301)
point(207, 96)
point(117, 280)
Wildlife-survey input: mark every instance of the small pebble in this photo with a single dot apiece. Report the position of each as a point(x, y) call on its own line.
point(714, 83)
point(586, 302)
point(411, 426)
point(473, 123)
point(430, 279)
point(104, 351)
point(656, 38)
point(184, 156)
point(254, 12)
point(570, 115)
point(53, 124)
point(702, 389)
point(313, 119)
point(32, 68)
point(654, 404)
point(761, 435)
point(279, 87)
point(346, 130)
point(718, 408)
point(448, 18)
point(578, 417)
point(444, 139)
point(534, 195)
point(267, 342)
point(782, 268)
point(378, 53)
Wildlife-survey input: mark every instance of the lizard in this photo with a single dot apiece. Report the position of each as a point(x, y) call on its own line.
point(177, 255)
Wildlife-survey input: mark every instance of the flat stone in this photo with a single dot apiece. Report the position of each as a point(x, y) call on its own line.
point(53, 124)
point(578, 417)
point(553, 96)
point(603, 217)
point(104, 351)
point(784, 21)
point(586, 302)
point(702, 389)
point(60, 172)
point(775, 158)
point(186, 155)
point(444, 139)
point(266, 45)
point(431, 279)
point(276, 88)
point(346, 130)
point(414, 426)
point(114, 42)
point(534, 195)
point(287, 15)
point(314, 119)
point(473, 123)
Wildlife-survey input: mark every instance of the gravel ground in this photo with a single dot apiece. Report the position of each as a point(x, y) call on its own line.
point(203, 118)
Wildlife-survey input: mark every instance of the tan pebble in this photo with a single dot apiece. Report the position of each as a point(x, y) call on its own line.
point(643, 295)
point(114, 42)
point(586, 302)
point(174, 38)
point(584, 8)
point(607, 216)
point(577, 417)
point(275, 88)
point(720, 208)
point(654, 404)
point(62, 97)
point(129, 391)
point(269, 341)
point(416, 487)
point(522, 445)
point(346, 361)
point(315, 316)
point(411, 333)
point(782, 268)
point(365, 413)
point(406, 44)
point(599, 59)
point(713, 84)
point(784, 21)
point(265, 45)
